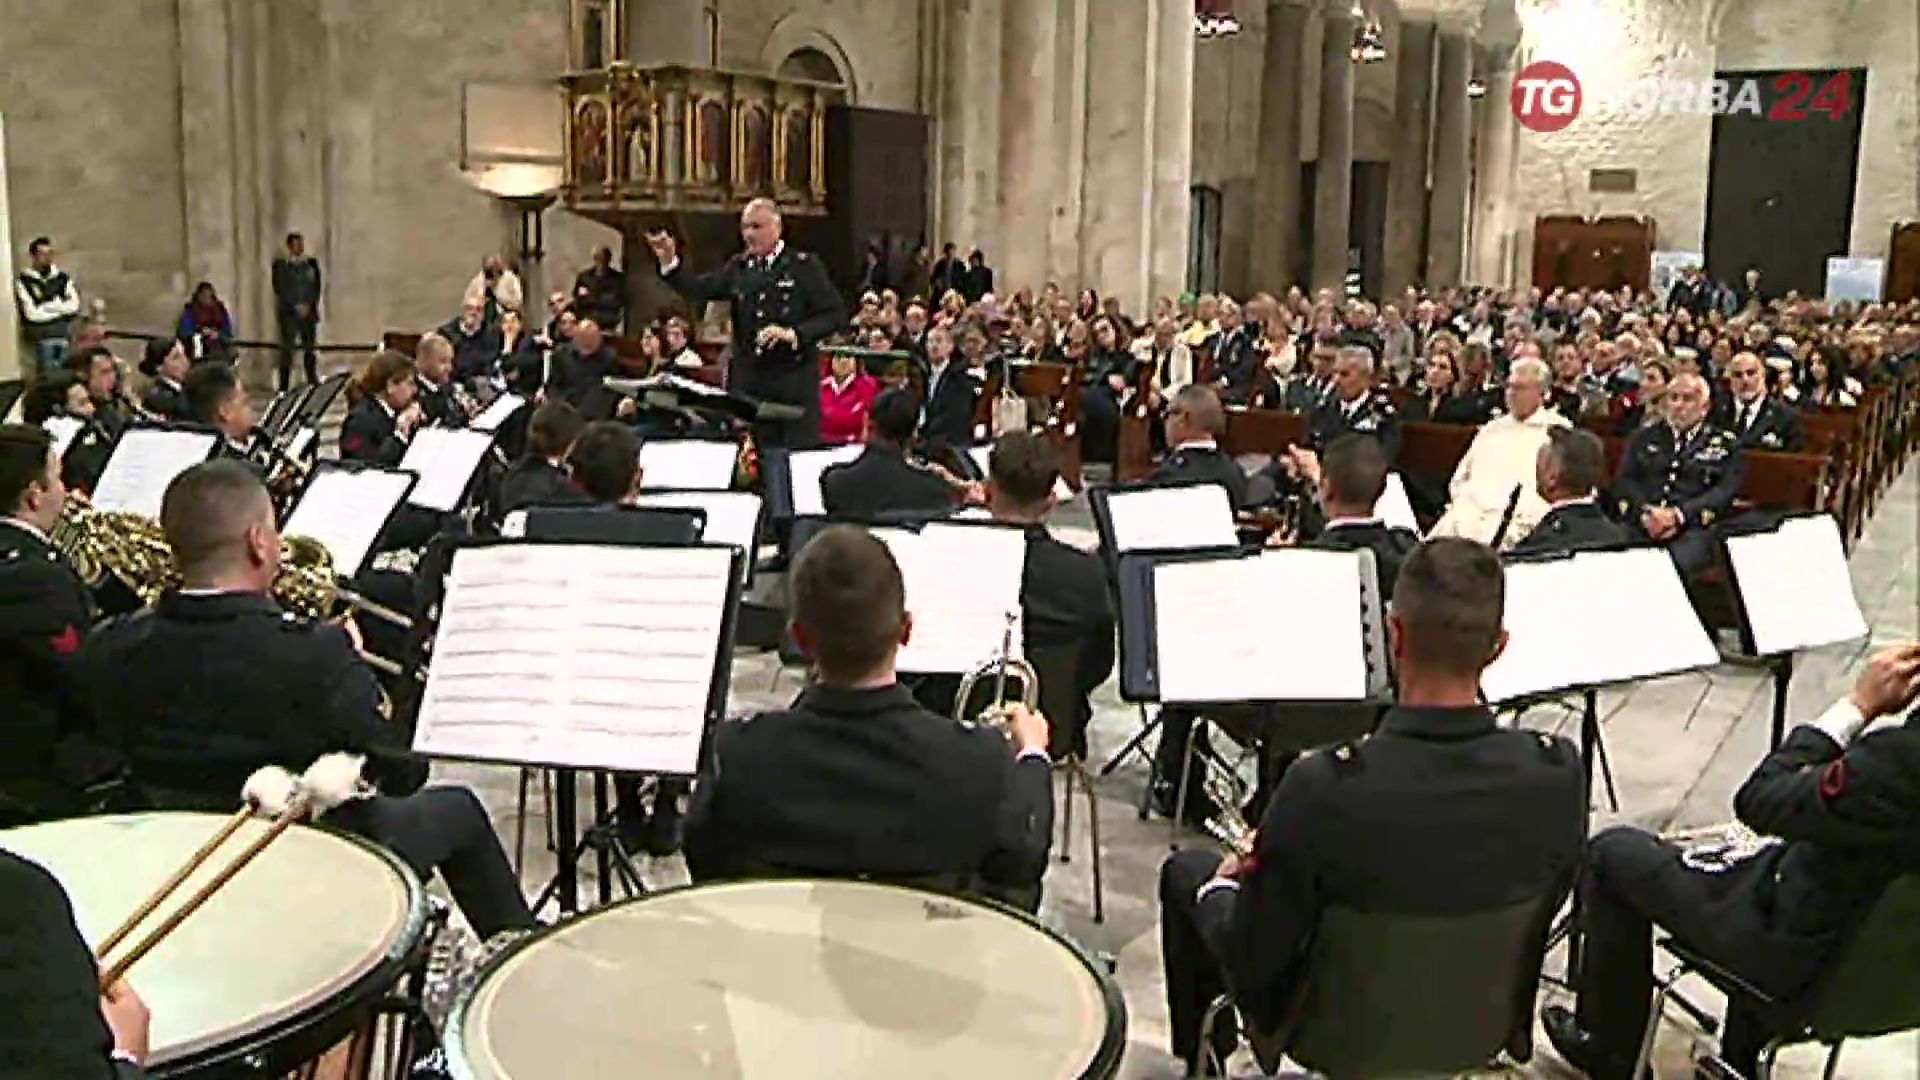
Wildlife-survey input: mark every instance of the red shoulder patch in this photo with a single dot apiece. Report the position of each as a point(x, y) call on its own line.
point(1833, 779)
point(66, 642)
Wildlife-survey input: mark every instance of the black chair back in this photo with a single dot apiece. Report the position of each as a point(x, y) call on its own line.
point(1870, 989)
point(616, 524)
point(1398, 995)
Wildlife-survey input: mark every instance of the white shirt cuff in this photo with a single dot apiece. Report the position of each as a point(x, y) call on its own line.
point(1841, 722)
point(1214, 886)
point(1036, 754)
point(669, 267)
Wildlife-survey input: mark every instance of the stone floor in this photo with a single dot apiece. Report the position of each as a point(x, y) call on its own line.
point(1678, 746)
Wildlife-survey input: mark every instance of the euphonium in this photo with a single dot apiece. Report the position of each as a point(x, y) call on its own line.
point(1000, 666)
point(128, 546)
point(1229, 826)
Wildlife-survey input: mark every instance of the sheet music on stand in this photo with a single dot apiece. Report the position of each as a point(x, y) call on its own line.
point(1793, 587)
point(1394, 508)
point(62, 429)
point(962, 581)
point(803, 476)
point(345, 510)
point(1285, 625)
point(1183, 517)
point(444, 459)
point(144, 462)
point(687, 464)
point(982, 458)
point(733, 517)
point(497, 412)
point(1634, 622)
point(580, 656)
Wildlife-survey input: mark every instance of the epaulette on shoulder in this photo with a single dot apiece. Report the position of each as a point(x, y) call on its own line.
point(1345, 758)
point(295, 623)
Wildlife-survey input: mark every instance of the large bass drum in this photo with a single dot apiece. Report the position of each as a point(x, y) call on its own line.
point(282, 965)
point(791, 979)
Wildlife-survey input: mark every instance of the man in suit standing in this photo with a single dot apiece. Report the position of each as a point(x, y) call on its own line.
point(782, 304)
point(952, 390)
point(856, 779)
point(296, 304)
point(1568, 474)
point(883, 480)
point(1761, 421)
point(1394, 822)
point(1841, 792)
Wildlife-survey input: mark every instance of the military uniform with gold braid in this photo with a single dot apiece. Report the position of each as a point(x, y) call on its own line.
point(1697, 474)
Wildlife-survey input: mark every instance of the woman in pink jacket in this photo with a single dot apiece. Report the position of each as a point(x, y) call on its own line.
point(846, 396)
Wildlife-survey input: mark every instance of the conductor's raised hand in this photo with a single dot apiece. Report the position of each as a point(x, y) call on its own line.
point(1026, 727)
point(665, 248)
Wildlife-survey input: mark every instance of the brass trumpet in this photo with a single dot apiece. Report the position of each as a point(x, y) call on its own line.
point(994, 715)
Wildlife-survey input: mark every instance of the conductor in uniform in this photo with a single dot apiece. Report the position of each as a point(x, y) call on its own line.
point(782, 305)
point(1842, 793)
point(855, 779)
point(1397, 821)
point(45, 613)
point(1678, 479)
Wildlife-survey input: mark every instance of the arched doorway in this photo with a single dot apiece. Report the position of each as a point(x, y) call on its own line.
point(812, 65)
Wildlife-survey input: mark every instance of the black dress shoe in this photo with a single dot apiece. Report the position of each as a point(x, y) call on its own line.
point(1576, 1045)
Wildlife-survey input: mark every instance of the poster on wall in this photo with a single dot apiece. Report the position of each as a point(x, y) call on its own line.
point(1855, 279)
point(1667, 268)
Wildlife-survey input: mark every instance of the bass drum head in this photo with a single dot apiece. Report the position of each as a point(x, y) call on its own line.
point(277, 964)
point(791, 979)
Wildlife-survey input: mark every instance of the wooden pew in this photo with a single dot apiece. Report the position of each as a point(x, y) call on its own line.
point(1262, 431)
point(400, 341)
point(1433, 450)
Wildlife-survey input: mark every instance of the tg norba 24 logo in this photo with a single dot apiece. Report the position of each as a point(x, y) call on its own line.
point(1547, 96)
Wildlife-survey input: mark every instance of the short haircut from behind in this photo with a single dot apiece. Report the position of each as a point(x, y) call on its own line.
point(849, 599)
point(206, 512)
point(895, 413)
point(604, 459)
point(24, 450)
point(1024, 467)
point(1202, 407)
point(553, 428)
point(1579, 458)
point(1450, 600)
point(1355, 467)
point(207, 387)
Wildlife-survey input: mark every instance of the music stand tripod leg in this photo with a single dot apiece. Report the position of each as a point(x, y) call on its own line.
point(1137, 744)
point(1600, 750)
point(1782, 678)
point(565, 886)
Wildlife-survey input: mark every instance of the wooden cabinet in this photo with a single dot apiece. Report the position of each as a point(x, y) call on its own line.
point(1592, 253)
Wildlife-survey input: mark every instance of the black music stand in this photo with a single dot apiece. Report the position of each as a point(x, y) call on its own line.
point(1781, 613)
point(600, 837)
point(350, 567)
point(11, 391)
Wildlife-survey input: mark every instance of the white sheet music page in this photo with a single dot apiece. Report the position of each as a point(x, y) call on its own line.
point(1795, 586)
point(63, 429)
point(444, 459)
point(144, 462)
point(803, 473)
point(1284, 625)
point(733, 517)
point(344, 509)
point(1394, 509)
point(983, 458)
point(498, 412)
point(688, 464)
point(576, 655)
point(962, 582)
point(1632, 622)
point(1172, 518)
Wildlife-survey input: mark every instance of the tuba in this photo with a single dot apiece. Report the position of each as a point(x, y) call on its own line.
point(1000, 667)
point(126, 546)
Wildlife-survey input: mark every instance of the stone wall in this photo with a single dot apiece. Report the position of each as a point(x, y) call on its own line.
point(876, 41)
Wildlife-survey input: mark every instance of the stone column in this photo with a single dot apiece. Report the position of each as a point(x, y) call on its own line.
point(970, 127)
point(1070, 135)
point(1447, 220)
point(1172, 192)
point(1029, 145)
point(1333, 174)
point(1119, 154)
point(1276, 197)
point(1407, 176)
point(1493, 196)
point(208, 164)
point(11, 360)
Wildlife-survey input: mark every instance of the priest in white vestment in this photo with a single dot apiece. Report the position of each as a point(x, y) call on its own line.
point(1501, 461)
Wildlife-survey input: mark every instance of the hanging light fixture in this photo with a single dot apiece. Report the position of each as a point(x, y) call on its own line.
point(1214, 19)
point(1369, 44)
point(1476, 88)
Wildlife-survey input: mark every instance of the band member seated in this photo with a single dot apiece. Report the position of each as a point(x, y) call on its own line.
point(856, 779)
point(1395, 822)
point(45, 613)
point(952, 390)
point(1568, 475)
point(59, 1022)
point(63, 394)
point(1842, 793)
point(215, 681)
point(96, 367)
point(384, 414)
point(216, 399)
point(884, 479)
point(1063, 593)
point(540, 476)
point(1194, 423)
point(433, 370)
point(1757, 418)
point(165, 363)
point(1500, 462)
point(1349, 482)
point(1678, 479)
